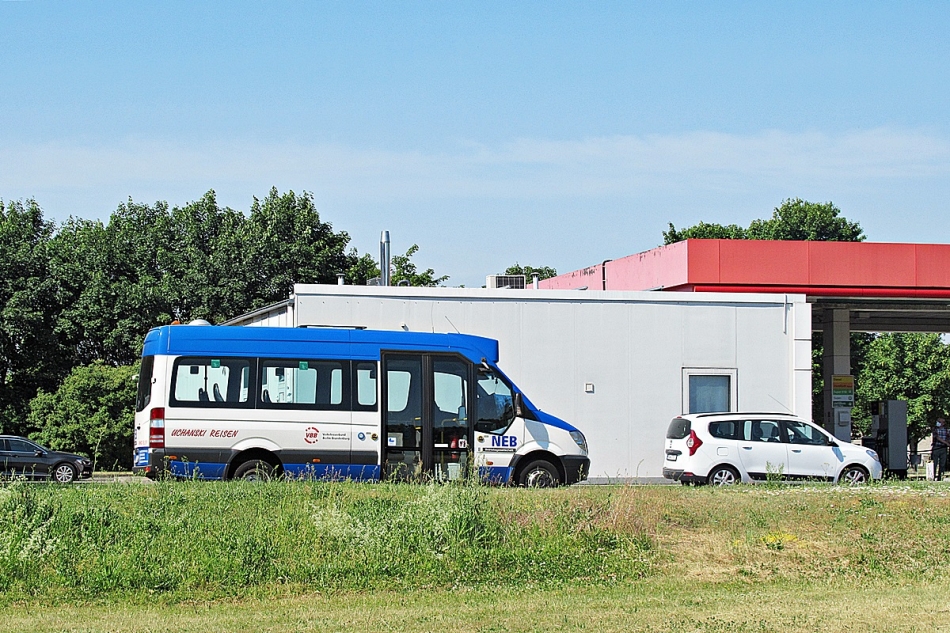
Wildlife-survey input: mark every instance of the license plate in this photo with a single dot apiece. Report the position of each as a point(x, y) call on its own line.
point(671, 458)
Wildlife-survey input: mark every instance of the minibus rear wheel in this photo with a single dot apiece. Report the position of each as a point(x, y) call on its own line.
point(539, 474)
point(255, 470)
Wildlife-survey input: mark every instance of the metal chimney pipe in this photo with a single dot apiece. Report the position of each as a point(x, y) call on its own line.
point(384, 259)
point(339, 279)
point(534, 280)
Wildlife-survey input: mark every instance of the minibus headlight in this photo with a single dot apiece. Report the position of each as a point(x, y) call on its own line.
point(578, 437)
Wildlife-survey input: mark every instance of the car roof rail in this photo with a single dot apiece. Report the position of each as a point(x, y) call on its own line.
point(723, 413)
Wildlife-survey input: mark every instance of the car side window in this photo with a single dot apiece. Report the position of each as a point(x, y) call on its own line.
point(802, 433)
point(725, 430)
point(19, 446)
point(761, 431)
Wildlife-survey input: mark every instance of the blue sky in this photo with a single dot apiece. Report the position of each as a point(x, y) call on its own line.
point(545, 133)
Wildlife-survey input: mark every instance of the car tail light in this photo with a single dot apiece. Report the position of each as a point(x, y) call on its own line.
point(156, 428)
point(693, 443)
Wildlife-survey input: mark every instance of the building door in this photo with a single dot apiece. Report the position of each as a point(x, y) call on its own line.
point(426, 428)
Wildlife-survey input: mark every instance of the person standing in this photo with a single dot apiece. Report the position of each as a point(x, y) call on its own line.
point(939, 447)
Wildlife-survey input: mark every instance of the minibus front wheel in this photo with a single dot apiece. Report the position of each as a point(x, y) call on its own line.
point(256, 470)
point(539, 474)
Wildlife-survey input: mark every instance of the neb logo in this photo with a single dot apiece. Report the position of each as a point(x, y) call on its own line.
point(507, 441)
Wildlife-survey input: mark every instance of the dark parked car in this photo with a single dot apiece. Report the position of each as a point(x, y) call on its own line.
point(20, 457)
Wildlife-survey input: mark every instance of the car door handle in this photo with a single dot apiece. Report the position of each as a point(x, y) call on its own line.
point(796, 450)
point(748, 448)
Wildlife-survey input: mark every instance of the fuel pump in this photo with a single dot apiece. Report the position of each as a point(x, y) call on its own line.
point(889, 435)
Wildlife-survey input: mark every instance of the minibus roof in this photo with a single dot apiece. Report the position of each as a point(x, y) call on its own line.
point(285, 342)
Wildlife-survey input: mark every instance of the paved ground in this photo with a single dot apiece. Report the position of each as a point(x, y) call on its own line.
point(118, 478)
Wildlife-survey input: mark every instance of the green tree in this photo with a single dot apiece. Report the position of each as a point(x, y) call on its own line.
point(91, 412)
point(204, 260)
point(290, 244)
point(404, 269)
point(793, 220)
point(544, 272)
point(115, 281)
point(704, 231)
point(31, 356)
point(800, 220)
point(911, 367)
point(151, 264)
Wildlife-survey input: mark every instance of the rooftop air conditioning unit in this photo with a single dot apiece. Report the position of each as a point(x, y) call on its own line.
point(505, 281)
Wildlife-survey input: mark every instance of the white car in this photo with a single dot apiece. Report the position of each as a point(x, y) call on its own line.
point(726, 448)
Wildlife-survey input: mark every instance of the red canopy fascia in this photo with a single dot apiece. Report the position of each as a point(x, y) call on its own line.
point(868, 269)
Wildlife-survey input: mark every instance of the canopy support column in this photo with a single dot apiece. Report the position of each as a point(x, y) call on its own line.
point(836, 360)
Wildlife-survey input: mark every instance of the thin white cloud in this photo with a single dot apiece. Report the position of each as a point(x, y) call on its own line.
point(522, 169)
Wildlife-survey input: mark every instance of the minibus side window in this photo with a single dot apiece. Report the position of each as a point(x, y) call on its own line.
point(209, 382)
point(494, 404)
point(366, 388)
point(299, 383)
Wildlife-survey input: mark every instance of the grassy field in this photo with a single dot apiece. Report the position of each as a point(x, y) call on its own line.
point(191, 556)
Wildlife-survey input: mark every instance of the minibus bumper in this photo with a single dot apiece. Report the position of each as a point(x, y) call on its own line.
point(156, 466)
point(576, 468)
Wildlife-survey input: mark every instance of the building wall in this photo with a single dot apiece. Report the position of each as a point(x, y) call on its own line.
point(633, 348)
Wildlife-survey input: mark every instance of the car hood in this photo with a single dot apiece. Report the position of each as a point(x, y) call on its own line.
point(67, 456)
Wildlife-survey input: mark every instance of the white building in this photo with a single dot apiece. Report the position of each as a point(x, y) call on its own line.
point(617, 365)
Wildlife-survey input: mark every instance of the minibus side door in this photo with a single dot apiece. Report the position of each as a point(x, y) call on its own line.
point(426, 428)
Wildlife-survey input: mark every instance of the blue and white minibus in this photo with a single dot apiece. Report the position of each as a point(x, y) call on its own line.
point(230, 402)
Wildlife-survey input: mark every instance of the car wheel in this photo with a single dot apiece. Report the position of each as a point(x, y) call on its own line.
point(64, 473)
point(539, 474)
point(723, 476)
point(255, 470)
point(853, 476)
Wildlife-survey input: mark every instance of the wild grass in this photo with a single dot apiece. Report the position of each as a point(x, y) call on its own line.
point(177, 542)
point(178, 538)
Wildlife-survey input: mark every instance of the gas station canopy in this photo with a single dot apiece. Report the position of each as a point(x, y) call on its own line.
point(885, 287)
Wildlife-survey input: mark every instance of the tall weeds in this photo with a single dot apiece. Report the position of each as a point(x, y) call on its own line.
point(222, 538)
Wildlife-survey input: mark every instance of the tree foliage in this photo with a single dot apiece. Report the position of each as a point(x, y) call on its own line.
point(793, 220)
point(911, 367)
point(31, 355)
point(151, 264)
point(404, 269)
point(91, 412)
point(544, 272)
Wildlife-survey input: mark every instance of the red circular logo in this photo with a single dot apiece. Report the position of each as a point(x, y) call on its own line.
point(311, 435)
